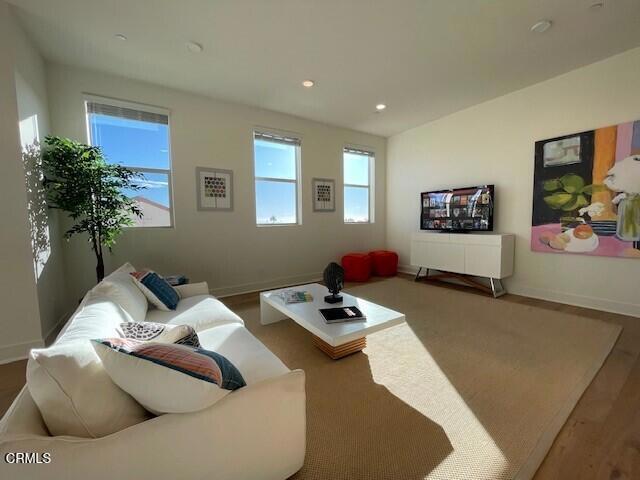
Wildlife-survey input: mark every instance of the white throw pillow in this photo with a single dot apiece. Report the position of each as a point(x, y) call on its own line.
point(159, 332)
point(167, 378)
point(120, 288)
point(74, 393)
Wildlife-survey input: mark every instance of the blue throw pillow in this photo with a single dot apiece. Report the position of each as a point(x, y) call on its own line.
point(157, 289)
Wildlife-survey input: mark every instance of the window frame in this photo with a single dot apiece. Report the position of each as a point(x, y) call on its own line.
point(370, 187)
point(297, 181)
point(89, 98)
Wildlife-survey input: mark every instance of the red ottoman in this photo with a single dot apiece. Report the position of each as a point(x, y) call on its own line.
point(357, 267)
point(385, 263)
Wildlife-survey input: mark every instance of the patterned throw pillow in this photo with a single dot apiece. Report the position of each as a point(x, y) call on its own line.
point(160, 332)
point(157, 290)
point(168, 378)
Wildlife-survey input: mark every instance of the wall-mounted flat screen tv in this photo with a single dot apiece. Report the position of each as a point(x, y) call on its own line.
point(458, 210)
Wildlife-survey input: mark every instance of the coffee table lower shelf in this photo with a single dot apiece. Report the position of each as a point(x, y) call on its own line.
point(340, 351)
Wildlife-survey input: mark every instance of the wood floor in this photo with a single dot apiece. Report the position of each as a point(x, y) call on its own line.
point(601, 439)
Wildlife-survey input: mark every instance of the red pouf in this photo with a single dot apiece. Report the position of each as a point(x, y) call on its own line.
point(385, 263)
point(357, 267)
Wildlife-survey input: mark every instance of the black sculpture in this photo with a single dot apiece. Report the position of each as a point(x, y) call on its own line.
point(334, 280)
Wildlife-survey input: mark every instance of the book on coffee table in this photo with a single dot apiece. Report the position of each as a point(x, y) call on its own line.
point(342, 314)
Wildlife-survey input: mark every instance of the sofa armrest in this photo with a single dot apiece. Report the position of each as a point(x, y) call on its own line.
point(258, 431)
point(192, 289)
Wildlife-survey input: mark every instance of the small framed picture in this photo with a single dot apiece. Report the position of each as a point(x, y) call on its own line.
point(324, 194)
point(214, 189)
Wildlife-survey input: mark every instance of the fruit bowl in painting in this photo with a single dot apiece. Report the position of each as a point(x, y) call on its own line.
point(579, 239)
point(580, 243)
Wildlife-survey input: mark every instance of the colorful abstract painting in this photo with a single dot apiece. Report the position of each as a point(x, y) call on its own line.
point(586, 193)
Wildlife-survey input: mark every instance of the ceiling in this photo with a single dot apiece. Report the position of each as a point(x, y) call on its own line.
point(423, 58)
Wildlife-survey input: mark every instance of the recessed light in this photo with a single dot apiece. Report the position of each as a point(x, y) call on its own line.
point(380, 107)
point(308, 83)
point(596, 6)
point(541, 26)
point(120, 36)
point(194, 47)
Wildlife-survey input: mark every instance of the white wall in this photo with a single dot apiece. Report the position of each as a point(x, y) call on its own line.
point(20, 327)
point(33, 117)
point(494, 143)
point(224, 248)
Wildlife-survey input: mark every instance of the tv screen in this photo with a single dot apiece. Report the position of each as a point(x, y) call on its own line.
point(458, 210)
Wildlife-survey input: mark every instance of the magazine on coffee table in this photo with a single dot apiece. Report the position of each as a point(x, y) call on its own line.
point(296, 296)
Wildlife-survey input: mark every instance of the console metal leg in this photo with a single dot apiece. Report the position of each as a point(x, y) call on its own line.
point(497, 292)
point(417, 274)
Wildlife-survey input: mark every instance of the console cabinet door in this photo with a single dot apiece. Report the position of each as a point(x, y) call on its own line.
point(483, 261)
point(436, 252)
point(451, 258)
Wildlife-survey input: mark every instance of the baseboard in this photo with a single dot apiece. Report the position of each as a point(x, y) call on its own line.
point(584, 301)
point(266, 285)
point(409, 269)
point(18, 351)
point(595, 303)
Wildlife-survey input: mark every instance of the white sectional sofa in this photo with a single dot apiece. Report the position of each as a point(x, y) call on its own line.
point(256, 432)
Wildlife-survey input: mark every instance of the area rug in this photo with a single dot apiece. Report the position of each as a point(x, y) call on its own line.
point(469, 388)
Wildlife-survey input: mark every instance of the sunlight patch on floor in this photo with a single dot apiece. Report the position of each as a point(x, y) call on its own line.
point(406, 368)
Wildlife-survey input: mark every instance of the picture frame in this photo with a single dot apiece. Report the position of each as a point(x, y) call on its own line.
point(585, 193)
point(323, 191)
point(214, 189)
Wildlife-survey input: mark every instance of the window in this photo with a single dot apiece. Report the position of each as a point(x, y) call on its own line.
point(277, 172)
point(136, 137)
point(358, 186)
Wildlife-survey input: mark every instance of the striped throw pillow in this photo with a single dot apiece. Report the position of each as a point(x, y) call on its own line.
point(157, 290)
point(168, 378)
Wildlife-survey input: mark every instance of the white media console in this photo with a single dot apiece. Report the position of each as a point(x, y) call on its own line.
point(465, 255)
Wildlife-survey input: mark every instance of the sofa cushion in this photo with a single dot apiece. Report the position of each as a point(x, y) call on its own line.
point(159, 332)
point(168, 378)
point(96, 317)
point(120, 287)
point(74, 393)
point(200, 311)
point(248, 354)
point(157, 290)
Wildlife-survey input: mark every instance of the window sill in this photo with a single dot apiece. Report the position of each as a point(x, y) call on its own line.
point(270, 225)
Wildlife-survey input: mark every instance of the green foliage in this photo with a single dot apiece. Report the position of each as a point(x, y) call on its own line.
point(79, 181)
point(569, 193)
point(551, 185)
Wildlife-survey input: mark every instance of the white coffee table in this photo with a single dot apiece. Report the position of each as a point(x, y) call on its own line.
point(338, 339)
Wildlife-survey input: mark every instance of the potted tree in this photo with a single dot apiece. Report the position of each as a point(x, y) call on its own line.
point(79, 181)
